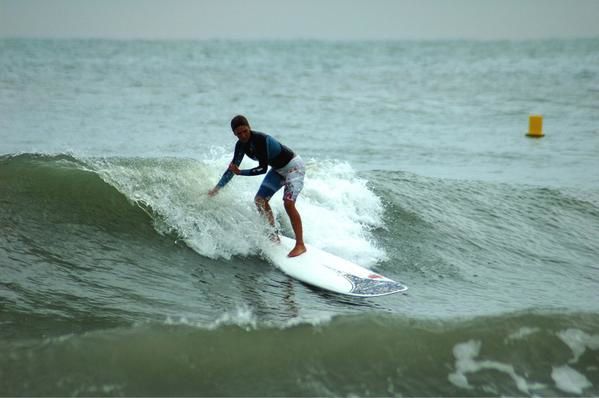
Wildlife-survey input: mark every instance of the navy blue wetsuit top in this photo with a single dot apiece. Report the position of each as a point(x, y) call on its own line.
point(262, 148)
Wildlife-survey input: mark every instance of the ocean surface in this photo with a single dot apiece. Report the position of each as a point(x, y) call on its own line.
point(120, 276)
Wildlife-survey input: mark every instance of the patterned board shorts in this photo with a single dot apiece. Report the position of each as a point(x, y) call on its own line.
point(291, 176)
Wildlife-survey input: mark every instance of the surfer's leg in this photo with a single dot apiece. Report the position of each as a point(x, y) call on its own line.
point(264, 209)
point(294, 183)
point(296, 223)
point(272, 183)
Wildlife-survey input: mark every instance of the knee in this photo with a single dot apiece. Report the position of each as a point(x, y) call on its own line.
point(289, 205)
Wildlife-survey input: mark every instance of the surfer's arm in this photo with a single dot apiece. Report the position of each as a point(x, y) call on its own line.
point(228, 175)
point(261, 169)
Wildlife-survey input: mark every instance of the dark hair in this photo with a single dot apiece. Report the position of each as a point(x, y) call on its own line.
point(239, 120)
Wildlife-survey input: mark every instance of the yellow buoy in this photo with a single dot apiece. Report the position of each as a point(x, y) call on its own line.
point(535, 126)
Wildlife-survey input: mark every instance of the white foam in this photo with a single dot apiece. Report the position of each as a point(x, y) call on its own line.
point(176, 189)
point(569, 380)
point(340, 212)
point(522, 333)
point(338, 209)
point(322, 319)
point(244, 317)
point(241, 316)
point(465, 354)
point(578, 341)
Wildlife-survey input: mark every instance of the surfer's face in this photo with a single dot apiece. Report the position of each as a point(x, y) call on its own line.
point(242, 133)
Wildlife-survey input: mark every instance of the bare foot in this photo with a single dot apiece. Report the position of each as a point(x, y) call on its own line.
point(297, 250)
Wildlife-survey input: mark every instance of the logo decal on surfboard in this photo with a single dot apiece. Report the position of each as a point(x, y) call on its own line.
point(373, 287)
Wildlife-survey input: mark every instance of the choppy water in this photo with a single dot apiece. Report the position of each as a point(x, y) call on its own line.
point(119, 276)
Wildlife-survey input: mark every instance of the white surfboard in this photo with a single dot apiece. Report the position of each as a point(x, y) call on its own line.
point(327, 271)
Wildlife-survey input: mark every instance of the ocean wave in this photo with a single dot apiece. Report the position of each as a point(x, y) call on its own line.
point(111, 237)
point(371, 354)
point(339, 209)
point(63, 189)
point(461, 227)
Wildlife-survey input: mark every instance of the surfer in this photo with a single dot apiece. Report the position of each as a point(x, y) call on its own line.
point(287, 169)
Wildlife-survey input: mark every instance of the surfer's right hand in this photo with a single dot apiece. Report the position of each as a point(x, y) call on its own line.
point(213, 191)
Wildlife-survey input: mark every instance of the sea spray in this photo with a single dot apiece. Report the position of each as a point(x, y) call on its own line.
point(338, 209)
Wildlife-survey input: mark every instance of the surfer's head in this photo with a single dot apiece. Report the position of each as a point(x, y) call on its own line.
point(241, 128)
point(239, 120)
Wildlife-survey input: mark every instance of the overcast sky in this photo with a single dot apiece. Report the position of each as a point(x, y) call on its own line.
point(308, 19)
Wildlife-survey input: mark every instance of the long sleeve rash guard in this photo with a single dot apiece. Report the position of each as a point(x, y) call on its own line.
point(262, 148)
